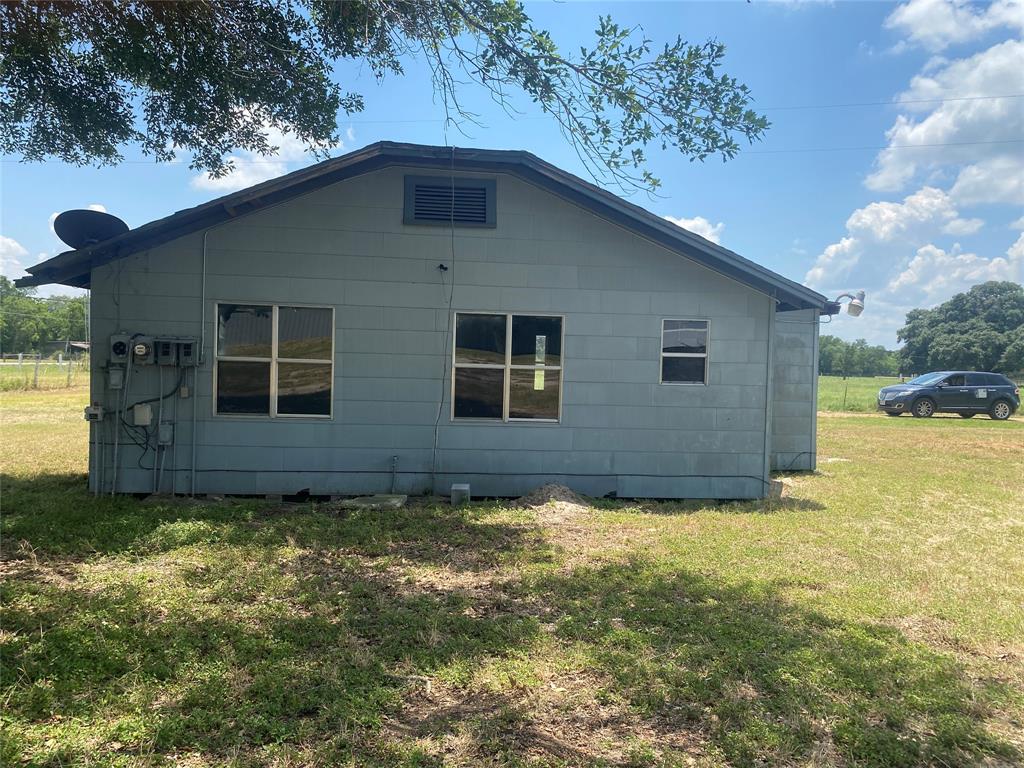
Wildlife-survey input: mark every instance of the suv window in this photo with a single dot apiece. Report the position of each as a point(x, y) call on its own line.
point(955, 381)
point(980, 379)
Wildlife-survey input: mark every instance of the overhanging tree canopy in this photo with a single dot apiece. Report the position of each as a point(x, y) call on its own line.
point(82, 79)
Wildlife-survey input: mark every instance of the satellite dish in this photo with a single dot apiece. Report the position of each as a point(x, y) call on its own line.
point(79, 228)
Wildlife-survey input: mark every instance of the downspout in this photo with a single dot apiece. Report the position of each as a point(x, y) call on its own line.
point(202, 359)
point(769, 395)
point(815, 362)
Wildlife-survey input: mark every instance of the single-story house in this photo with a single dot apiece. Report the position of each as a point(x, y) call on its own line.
point(407, 317)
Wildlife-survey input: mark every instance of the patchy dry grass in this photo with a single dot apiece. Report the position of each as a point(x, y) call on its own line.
point(872, 617)
point(51, 375)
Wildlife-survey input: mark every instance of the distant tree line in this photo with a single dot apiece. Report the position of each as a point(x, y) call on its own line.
point(28, 322)
point(837, 357)
point(982, 330)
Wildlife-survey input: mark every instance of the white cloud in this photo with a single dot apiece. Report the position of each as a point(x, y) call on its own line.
point(898, 279)
point(97, 207)
point(1018, 224)
point(11, 254)
point(934, 274)
point(834, 263)
point(251, 168)
point(977, 138)
point(996, 180)
point(893, 251)
point(963, 226)
point(886, 220)
point(700, 226)
point(937, 24)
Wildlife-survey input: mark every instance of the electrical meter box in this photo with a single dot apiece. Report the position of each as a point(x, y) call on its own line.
point(142, 415)
point(142, 350)
point(166, 352)
point(188, 353)
point(119, 347)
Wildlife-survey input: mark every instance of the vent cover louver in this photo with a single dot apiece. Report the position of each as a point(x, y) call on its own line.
point(430, 200)
point(434, 203)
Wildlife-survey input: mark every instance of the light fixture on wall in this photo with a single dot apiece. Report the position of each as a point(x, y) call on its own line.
point(855, 307)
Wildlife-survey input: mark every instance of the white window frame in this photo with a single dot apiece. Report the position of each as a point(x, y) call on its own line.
point(273, 360)
point(507, 367)
point(705, 354)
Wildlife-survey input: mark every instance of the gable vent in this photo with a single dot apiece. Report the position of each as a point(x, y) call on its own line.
point(432, 200)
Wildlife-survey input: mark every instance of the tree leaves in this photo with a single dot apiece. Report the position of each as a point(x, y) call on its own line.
point(80, 80)
point(981, 329)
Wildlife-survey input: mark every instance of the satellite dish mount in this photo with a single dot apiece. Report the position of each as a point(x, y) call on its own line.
point(80, 228)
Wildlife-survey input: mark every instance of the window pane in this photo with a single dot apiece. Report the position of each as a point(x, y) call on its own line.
point(479, 393)
point(533, 395)
point(243, 387)
point(683, 369)
point(304, 389)
point(685, 336)
point(244, 330)
point(304, 332)
point(480, 339)
point(536, 340)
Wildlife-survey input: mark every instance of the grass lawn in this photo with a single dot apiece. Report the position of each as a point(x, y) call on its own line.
point(857, 394)
point(51, 375)
point(872, 617)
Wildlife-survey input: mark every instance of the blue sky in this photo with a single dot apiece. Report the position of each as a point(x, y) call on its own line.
point(890, 166)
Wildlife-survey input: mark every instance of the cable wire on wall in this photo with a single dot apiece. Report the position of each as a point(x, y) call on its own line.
point(448, 330)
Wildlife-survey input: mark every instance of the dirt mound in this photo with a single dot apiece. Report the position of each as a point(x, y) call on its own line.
point(554, 502)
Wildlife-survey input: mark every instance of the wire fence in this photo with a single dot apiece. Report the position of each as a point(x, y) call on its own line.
point(32, 371)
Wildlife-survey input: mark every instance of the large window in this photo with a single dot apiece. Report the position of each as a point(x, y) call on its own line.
point(684, 351)
point(507, 367)
point(274, 360)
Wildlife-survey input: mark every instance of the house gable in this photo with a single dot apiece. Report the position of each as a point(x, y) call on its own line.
point(73, 267)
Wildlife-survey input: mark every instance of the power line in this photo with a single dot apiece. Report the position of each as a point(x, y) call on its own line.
point(780, 108)
point(888, 103)
point(875, 147)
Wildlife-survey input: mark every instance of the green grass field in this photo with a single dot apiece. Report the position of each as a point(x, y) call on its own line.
point(856, 394)
point(874, 616)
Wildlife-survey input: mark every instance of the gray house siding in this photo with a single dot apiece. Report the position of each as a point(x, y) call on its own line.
point(795, 391)
point(345, 246)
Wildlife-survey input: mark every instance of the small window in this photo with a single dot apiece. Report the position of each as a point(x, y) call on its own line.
point(507, 367)
point(274, 360)
point(444, 201)
point(684, 351)
point(957, 380)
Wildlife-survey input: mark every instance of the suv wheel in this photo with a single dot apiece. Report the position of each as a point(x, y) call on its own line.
point(923, 408)
point(1000, 411)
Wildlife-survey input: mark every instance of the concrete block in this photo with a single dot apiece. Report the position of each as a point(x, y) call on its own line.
point(460, 494)
point(377, 501)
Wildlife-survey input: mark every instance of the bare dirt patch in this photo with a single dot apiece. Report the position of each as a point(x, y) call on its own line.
point(564, 718)
point(554, 503)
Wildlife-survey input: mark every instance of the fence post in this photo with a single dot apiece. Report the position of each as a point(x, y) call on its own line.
point(21, 359)
point(68, 384)
point(35, 376)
